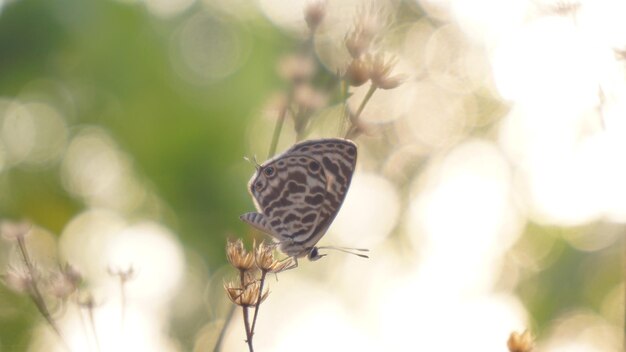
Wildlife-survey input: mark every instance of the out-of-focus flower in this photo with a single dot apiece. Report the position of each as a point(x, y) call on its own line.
point(359, 38)
point(18, 280)
point(296, 68)
point(123, 274)
point(238, 256)
point(246, 296)
point(380, 70)
point(314, 13)
point(358, 72)
point(520, 342)
point(65, 282)
point(264, 256)
point(308, 98)
point(13, 231)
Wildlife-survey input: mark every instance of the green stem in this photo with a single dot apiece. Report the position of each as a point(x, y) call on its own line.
point(354, 129)
point(279, 125)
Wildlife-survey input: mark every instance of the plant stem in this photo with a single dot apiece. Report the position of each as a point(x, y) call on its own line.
point(93, 327)
point(36, 295)
point(354, 129)
point(246, 319)
point(279, 125)
point(220, 339)
point(258, 301)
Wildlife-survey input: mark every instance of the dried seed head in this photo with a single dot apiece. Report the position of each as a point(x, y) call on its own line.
point(380, 70)
point(520, 342)
point(264, 256)
point(18, 280)
point(314, 13)
point(367, 23)
point(296, 68)
point(238, 256)
point(13, 231)
point(358, 72)
point(246, 296)
point(86, 300)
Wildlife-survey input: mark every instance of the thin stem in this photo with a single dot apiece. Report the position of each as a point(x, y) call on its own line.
point(279, 125)
point(258, 301)
point(36, 295)
point(354, 129)
point(246, 319)
point(624, 269)
point(220, 339)
point(93, 326)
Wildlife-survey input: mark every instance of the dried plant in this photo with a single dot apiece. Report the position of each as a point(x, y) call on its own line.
point(520, 342)
point(52, 289)
point(248, 290)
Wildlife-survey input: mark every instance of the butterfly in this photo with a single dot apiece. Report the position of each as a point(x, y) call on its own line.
point(298, 194)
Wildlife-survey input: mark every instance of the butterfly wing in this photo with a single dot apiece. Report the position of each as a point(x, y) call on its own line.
point(299, 193)
point(337, 158)
point(289, 198)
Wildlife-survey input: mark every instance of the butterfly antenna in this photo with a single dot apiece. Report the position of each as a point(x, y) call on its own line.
point(348, 250)
point(253, 162)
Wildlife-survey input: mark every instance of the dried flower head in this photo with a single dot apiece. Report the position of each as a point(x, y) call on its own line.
point(314, 13)
point(86, 300)
point(380, 71)
point(13, 231)
point(367, 22)
point(296, 68)
point(246, 296)
point(238, 256)
point(18, 280)
point(264, 256)
point(520, 342)
point(357, 73)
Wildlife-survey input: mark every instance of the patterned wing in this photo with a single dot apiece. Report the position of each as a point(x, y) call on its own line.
point(288, 191)
point(299, 193)
point(338, 160)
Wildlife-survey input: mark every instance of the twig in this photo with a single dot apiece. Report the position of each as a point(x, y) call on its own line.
point(258, 302)
point(246, 319)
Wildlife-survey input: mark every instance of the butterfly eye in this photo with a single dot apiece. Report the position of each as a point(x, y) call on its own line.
point(268, 171)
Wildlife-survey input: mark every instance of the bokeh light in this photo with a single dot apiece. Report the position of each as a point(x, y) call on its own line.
point(489, 188)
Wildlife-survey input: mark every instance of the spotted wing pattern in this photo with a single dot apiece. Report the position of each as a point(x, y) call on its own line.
point(298, 193)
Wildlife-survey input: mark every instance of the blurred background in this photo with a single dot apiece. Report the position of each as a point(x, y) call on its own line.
point(489, 187)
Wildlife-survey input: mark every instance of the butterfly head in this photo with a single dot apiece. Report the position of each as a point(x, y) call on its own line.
point(264, 175)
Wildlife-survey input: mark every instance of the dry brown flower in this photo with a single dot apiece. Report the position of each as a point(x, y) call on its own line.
point(314, 14)
point(380, 70)
point(246, 296)
point(264, 256)
point(238, 256)
point(520, 342)
point(12, 231)
point(358, 72)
